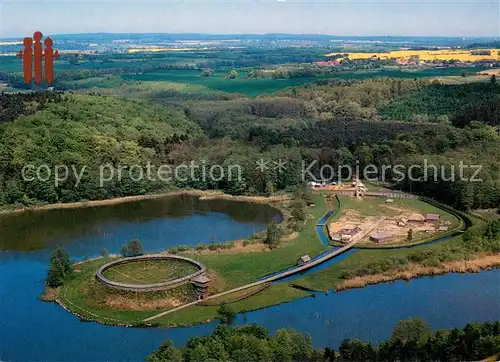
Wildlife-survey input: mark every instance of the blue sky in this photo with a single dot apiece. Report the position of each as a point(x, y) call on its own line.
point(405, 17)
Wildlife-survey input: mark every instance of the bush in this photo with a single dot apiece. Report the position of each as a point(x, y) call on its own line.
point(227, 313)
point(59, 269)
point(273, 234)
point(201, 246)
point(132, 248)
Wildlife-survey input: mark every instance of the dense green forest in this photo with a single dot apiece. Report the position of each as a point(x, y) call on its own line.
point(332, 122)
point(81, 131)
point(411, 340)
point(459, 104)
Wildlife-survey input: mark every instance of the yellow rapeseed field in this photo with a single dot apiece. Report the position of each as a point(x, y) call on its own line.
point(464, 55)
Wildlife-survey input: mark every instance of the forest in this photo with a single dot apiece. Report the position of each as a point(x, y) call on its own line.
point(411, 340)
point(330, 122)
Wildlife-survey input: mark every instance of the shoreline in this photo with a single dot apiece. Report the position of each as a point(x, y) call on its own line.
point(414, 271)
point(477, 265)
point(202, 194)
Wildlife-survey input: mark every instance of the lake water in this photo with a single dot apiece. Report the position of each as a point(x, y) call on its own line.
point(33, 330)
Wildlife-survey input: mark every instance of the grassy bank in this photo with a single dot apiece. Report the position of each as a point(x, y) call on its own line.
point(75, 297)
point(232, 269)
point(207, 194)
point(275, 294)
point(242, 268)
point(381, 265)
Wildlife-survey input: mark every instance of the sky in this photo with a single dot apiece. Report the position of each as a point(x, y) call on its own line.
point(338, 17)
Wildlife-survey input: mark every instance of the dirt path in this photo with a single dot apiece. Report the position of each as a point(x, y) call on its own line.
point(368, 229)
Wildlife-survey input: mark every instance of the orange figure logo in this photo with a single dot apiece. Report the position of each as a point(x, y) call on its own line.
point(35, 57)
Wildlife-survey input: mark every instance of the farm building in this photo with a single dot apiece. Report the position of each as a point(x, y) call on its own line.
point(389, 201)
point(344, 234)
point(402, 222)
point(443, 228)
point(429, 229)
point(350, 231)
point(336, 237)
point(381, 237)
point(304, 260)
point(416, 218)
point(345, 237)
point(432, 217)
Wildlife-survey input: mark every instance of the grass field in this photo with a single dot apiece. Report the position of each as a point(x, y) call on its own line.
point(149, 271)
point(220, 82)
point(275, 294)
point(241, 268)
point(254, 87)
point(375, 206)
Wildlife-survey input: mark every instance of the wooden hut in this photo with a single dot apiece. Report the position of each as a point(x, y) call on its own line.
point(417, 218)
point(381, 237)
point(201, 283)
point(432, 217)
point(304, 259)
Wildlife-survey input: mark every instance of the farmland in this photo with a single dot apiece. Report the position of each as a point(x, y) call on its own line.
point(254, 87)
point(463, 55)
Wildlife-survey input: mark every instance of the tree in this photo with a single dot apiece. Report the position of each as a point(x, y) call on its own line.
point(288, 345)
point(303, 191)
point(493, 79)
point(273, 234)
point(233, 74)
point(132, 248)
point(270, 188)
point(207, 72)
point(55, 278)
point(356, 350)
point(299, 210)
point(167, 352)
point(493, 230)
point(227, 313)
point(409, 238)
point(59, 267)
point(411, 331)
point(105, 253)
point(60, 258)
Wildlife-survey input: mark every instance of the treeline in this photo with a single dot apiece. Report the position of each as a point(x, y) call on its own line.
point(458, 104)
point(337, 123)
point(332, 124)
point(411, 340)
point(83, 134)
point(313, 70)
point(12, 107)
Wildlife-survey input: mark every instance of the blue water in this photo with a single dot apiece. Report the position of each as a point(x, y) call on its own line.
point(33, 330)
point(371, 313)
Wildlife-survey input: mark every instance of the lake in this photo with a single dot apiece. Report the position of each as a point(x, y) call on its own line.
point(33, 330)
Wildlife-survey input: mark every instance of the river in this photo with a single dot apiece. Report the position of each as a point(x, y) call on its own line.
point(33, 330)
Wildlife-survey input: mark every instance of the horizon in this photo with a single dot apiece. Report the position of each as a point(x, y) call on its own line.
point(406, 18)
point(346, 36)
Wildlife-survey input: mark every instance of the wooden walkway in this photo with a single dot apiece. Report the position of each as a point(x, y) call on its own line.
point(284, 274)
